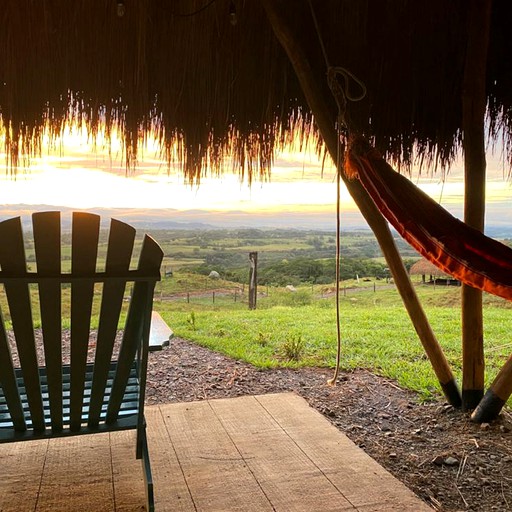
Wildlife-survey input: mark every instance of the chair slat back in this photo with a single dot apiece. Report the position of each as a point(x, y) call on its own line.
point(84, 252)
point(79, 396)
point(119, 253)
point(9, 384)
point(12, 260)
point(137, 327)
point(46, 230)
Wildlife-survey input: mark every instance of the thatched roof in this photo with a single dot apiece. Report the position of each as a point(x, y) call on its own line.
point(210, 89)
point(423, 267)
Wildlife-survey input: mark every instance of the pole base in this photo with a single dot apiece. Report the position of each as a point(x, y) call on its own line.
point(452, 393)
point(471, 398)
point(488, 408)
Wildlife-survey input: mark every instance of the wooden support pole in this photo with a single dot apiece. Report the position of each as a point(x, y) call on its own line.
point(496, 396)
point(473, 114)
point(315, 89)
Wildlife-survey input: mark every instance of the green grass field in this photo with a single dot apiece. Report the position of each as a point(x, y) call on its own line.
point(299, 329)
point(296, 329)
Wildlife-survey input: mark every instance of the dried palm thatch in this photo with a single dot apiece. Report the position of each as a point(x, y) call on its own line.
point(209, 89)
point(423, 267)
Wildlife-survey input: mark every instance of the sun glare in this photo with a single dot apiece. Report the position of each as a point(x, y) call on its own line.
point(75, 171)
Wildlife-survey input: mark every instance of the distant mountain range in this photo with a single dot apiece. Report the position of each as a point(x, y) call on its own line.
point(203, 219)
point(200, 219)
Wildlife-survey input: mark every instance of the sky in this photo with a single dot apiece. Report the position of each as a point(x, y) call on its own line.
point(76, 175)
point(81, 177)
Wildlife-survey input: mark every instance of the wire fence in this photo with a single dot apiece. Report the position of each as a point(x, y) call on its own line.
point(225, 294)
point(228, 296)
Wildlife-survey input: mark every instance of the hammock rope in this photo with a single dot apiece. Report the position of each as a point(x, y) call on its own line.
point(341, 94)
point(334, 378)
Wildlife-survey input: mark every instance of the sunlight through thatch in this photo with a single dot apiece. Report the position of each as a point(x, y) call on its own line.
point(210, 80)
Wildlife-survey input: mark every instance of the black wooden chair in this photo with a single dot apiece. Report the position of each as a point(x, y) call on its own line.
point(101, 387)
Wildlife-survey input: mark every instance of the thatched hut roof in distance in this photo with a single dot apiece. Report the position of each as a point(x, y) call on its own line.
point(423, 267)
point(210, 89)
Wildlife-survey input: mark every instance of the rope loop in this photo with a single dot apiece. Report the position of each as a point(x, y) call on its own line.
point(341, 91)
point(334, 71)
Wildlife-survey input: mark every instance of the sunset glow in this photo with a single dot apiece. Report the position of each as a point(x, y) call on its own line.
point(74, 173)
point(77, 174)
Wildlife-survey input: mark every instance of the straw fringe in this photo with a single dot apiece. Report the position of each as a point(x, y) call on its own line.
point(211, 92)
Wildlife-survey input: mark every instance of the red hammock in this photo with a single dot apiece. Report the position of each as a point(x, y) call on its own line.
point(450, 244)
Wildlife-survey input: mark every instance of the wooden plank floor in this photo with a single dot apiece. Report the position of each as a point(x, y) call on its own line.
point(255, 453)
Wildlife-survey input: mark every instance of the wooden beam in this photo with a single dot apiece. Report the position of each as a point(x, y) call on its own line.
point(473, 113)
point(315, 89)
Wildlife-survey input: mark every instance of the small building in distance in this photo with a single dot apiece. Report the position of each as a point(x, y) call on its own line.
point(435, 275)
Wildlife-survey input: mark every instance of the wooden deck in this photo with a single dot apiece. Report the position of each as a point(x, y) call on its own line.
point(256, 453)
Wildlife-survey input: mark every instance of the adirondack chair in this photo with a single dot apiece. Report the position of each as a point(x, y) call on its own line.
point(96, 391)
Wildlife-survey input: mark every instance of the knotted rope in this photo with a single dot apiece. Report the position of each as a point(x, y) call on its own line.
point(341, 93)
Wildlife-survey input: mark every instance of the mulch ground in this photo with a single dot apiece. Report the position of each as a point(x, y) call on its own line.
point(448, 461)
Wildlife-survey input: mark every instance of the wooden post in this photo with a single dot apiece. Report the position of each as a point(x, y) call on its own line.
point(473, 114)
point(253, 279)
point(496, 397)
point(317, 93)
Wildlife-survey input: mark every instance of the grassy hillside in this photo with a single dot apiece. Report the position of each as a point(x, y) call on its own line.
point(298, 329)
point(186, 248)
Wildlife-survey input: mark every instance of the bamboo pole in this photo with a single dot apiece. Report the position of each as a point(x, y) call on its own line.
point(473, 114)
point(496, 396)
point(316, 91)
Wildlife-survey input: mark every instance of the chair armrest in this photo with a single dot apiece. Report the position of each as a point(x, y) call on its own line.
point(160, 333)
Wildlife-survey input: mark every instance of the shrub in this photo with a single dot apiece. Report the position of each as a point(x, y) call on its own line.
point(301, 298)
point(294, 348)
point(191, 320)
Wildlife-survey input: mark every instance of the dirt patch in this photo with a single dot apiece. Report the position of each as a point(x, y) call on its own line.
point(448, 461)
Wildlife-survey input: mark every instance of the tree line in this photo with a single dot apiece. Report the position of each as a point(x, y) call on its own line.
point(302, 270)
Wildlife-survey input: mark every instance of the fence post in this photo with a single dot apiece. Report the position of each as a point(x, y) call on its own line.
point(253, 283)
